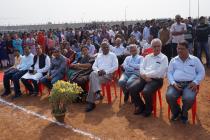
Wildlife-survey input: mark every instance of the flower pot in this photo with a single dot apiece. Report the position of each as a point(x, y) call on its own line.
point(59, 117)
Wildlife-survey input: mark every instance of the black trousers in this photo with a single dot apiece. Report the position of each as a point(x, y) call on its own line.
point(166, 49)
point(147, 89)
point(31, 87)
point(82, 81)
point(173, 50)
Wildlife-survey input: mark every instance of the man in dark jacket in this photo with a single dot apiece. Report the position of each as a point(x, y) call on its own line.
point(202, 32)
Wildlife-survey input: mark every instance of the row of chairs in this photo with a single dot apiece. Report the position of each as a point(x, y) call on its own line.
point(106, 89)
point(107, 86)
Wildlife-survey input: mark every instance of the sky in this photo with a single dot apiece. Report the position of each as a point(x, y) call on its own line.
point(18, 12)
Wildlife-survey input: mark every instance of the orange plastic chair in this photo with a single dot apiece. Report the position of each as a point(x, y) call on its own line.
point(41, 88)
point(147, 51)
point(118, 72)
point(154, 100)
point(107, 86)
point(194, 107)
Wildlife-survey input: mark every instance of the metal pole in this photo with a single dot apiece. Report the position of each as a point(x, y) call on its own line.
point(125, 13)
point(189, 8)
point(198, 9)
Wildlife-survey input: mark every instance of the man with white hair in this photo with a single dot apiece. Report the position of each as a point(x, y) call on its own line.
point(152, 71)
point(131, 67)
point(104, 66)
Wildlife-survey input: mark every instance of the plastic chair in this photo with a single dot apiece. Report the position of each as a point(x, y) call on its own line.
point(154, 100)
point(147, 51)
point(118, 72)
point(194, 107)
point(107, 86)
point(41, 88)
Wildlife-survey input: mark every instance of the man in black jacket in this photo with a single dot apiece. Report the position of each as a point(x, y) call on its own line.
point(202, 32)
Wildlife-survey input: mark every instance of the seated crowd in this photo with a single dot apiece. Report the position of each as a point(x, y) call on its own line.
point(93, 63)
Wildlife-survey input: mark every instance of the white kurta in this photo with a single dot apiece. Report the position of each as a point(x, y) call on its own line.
point(40, 72)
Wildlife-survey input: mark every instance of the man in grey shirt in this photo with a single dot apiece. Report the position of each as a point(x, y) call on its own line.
point(57, 69)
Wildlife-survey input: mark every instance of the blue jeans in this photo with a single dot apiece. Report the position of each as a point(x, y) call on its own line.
point(49, 83)
point(126, 80)
point(188, 97)
point(201, 46)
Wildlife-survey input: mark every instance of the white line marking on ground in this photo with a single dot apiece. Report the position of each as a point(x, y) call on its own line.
point(76, 130)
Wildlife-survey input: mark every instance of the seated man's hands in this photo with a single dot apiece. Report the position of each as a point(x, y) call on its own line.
point(75, 66)
point(147, 79)
point(49, 77)
point(101, 73)
point(177, 86)
point(193, 86)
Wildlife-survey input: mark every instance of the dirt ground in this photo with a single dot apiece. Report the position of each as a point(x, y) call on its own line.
point(107, 121)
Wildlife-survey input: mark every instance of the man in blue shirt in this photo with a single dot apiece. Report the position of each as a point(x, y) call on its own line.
point(57, 69)
point(185, 73)
point(131, 66)
point(16, 74)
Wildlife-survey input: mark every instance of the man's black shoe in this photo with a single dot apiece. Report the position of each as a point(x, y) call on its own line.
point(146, 114)
point(138, 111)
point(16, 96)
point(5, 94)
point(175, 117)
point(90, 107)
point(184, 119)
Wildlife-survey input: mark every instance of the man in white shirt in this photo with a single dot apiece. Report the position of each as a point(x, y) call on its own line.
point(185, 73)
point(39, 68)
point(119, 50)
point(178, 30)
point(104, 66)
point(152, 72)
point(16, 73)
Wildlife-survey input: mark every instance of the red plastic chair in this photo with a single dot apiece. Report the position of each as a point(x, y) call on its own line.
point(107, 86)
point(147, 51)
point(41, 88)
point(118, 72)
point(154, 100)
point(194, 107)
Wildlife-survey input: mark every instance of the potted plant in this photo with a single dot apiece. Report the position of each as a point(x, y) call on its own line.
point(62, 94)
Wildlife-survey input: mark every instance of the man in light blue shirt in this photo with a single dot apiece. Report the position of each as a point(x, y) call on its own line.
point(131, 66)
point(16, 74)
point(185, 73)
